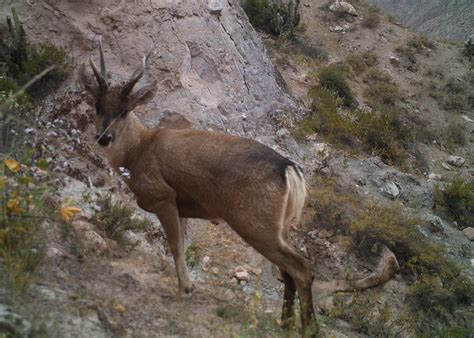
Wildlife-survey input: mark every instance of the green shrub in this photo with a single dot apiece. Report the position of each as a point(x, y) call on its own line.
point(333, 78)
point(381, 89)
point(455, 134)
point(114, 218)
point(305, 47)
point(324, 118)
point(280, 19)
point(371, 20)
point(23, 61)
point(454, 86)
point(258, 12)
point(457, 200)
point(384, 135)
point(357, 63)
point(379, 133)
point(439, 287)
point(192, 254)
point(23, 209)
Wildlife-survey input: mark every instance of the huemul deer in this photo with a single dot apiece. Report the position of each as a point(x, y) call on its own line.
point(179, 174)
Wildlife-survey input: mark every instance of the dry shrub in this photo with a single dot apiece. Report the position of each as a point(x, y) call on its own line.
point(381, 89)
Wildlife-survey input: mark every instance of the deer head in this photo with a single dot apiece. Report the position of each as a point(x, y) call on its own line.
point(113, 103)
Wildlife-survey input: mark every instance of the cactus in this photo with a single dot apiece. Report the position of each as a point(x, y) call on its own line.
point(13, 51)
point(274, 16)
point(284, 18)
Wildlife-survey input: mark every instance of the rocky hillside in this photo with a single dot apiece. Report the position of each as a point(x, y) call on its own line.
point(449, 19)
point(379, 116)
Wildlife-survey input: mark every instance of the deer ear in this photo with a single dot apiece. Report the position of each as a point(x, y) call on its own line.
point(143, 95)
point(87, 82)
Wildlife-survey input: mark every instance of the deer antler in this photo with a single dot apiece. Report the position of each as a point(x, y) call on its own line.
point(102, 75)
point(136, 76)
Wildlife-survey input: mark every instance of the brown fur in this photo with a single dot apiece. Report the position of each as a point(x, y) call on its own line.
point(179, 174)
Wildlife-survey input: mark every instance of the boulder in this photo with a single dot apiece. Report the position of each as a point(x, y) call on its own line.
point(469, 232)
point(456, 161)
point(392, 189)
point(343, 7)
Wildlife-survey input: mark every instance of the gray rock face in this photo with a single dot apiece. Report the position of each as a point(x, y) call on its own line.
point(12, 324)
point(451, 19)
point(211, 68)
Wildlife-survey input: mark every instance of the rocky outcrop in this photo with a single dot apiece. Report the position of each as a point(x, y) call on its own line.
point(210, 63)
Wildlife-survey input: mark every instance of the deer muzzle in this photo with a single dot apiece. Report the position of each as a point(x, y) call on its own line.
point(104, 139)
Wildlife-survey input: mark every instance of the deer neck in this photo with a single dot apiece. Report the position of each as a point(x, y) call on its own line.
point(126, 146)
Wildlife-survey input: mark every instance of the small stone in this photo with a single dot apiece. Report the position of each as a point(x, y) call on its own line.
point(257, 272)
point(215, 270)
point(456, 161)
point(242, 276)
point(469, 233)
point(338, 29)
point(80, 226)
point(215, 7)
point(52, 252)
point(446, 166)
point(434, 177)
point(205, 260)
point(242, 282)
point(392, 189)
point(394, 60)
point(325, 233)
point(239, 268)
point(282, 132)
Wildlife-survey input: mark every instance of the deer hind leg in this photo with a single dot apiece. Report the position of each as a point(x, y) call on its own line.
point(269, 243)
point(288, 313)
point(299, 271)
point(167, 213)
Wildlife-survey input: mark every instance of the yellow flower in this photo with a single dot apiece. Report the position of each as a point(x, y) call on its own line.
point(13, 205)
point(12, 165)
point(67, 212)
point(119, 308)
point(2, 182)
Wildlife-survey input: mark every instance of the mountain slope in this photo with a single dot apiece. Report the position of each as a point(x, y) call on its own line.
point(451, 19)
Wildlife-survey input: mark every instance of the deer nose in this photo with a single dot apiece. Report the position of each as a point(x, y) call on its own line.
point(104, 139)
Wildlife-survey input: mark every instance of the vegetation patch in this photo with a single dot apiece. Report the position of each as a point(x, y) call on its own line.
point(439, 292)
point(418, 44)
point(114, 218)
point(192, 254)
point(455, 135)
point(24, 60)
point(372, 19)
point(333, 78)
point(280, 19)
point(457, 201)
point(378, 133)
point(23, 213)
point(381, 89)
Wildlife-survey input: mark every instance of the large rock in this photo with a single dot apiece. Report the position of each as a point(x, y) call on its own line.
point(456, 161)
point(210, 68)
point(343, 7)
point(469, 232)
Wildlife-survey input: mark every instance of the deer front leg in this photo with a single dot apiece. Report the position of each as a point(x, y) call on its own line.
point(167, 213)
